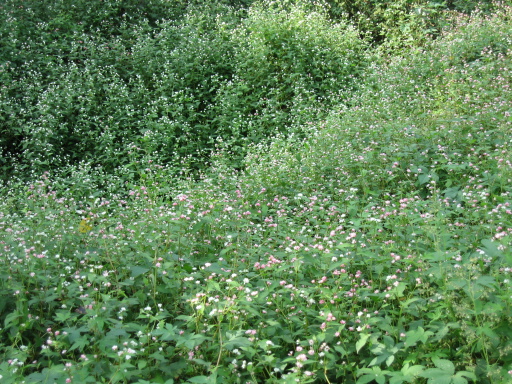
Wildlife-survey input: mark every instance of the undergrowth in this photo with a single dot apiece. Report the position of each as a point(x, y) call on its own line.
point(371, 246)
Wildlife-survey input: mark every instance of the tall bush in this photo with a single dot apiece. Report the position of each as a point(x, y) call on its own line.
point(90, 89)
point(291, 64)
point(394, 25)
point(173, 84)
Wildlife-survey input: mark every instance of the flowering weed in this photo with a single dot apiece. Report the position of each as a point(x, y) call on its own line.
point(375, 250)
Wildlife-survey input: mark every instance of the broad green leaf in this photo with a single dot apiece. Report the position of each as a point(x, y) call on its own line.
point(423, 178)
point(167, 333)
point(436, 376)
point(362, 341)
point(141, 364)
point(137, 270)
point(62, 316)
point(406, 303)
point(411, 337)
point(469, 375)
point(491, 248)
point(199, 380)
point(413, 370)
point(486, 281)
point(191, 341)
point(237, 342)
point(398, 379)
point(80, 343)
point(459, 380)
point(368, 375)
point(445, 365)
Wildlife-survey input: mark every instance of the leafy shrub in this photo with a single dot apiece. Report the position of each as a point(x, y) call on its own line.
point(104, 93)
point(394, 25)
point(291, 64)
point(173, 88)
point(427, 101)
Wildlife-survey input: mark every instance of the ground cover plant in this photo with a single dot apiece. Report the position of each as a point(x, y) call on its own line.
point(370, 243)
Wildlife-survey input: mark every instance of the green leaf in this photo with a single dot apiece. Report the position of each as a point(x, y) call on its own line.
point(469, 375)
point(74, 333)
point(397, 379)
point(407, 374)
point(445, 365)
point(491, 248)
point(237, 342)
point(117, 332)
point(62, 316)
point(486, 281)
point(48, 375)
point(412, 371)
point(166, 333)
point(362, 341)
point(443, 374)
point(365, 379)
point(368, 375)
point(191, 341)
point(80, 343)
point(413, 336)
point(406, 303)
point(141, 364)
point(423, 178)
point(436, 376)
point(202, 362)
point(137, 270)
point(459, 380)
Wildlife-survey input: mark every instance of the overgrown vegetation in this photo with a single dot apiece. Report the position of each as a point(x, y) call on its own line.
point(253, 192)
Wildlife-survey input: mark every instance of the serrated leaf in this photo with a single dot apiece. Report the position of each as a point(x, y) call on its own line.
point(62, 316)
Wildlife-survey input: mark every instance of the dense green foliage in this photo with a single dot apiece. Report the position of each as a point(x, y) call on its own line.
point(403, 23)
point(255, 192)
point(85, 82)
point(89, 91)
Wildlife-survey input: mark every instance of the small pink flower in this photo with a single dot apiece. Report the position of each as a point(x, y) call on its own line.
point(302, 357)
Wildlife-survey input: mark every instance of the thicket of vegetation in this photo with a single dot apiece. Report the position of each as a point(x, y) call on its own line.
point(255, 191)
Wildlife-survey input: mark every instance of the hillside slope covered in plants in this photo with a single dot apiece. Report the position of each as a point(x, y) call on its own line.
point(255, 192)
